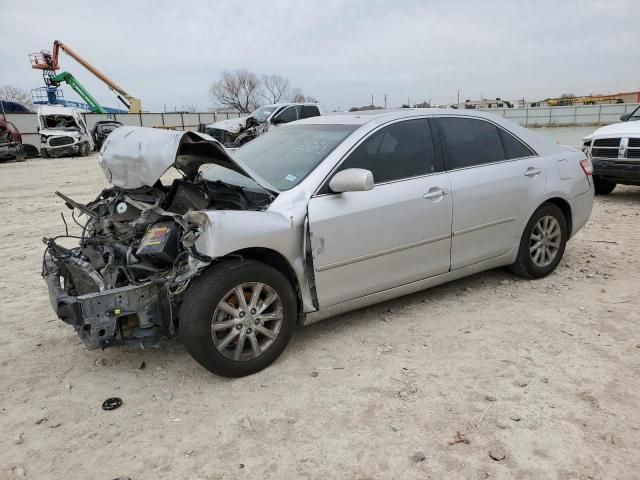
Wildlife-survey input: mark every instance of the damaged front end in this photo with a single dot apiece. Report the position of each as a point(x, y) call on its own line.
point(136, 254)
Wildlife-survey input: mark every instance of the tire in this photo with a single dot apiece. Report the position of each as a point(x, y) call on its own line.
point(603, 187)
point(216, 288)
point(31, 151)
point(550, 241)
point(84, 149)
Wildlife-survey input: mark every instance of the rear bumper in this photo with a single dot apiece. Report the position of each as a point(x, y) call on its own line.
point(581, 207)
point(99, 317)
point(618, 171)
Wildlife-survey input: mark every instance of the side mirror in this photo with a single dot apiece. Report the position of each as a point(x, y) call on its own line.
point(276, 120)
point(625, 116)
point(351, 180)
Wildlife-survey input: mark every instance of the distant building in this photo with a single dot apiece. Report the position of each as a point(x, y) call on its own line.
point(629, 97)
point(485, 103)
point(592, 99)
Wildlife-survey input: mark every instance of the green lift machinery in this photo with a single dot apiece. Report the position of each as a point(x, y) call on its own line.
point(66, 77)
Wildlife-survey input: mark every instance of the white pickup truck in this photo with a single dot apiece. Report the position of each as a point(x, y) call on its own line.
point(235, 132)
point(615, 153)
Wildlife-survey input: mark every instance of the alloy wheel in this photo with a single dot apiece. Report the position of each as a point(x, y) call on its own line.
point(545, 241)
point(247, 321)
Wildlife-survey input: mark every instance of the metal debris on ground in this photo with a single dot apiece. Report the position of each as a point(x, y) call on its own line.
point(111, 403)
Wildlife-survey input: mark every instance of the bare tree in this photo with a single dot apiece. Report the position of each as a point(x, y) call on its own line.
point(274, 88)
point(237, 90)
point(298, 96)
point(14, 94)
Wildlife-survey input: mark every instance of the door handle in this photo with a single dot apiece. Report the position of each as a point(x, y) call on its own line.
point(435, 194)
point(532, 172)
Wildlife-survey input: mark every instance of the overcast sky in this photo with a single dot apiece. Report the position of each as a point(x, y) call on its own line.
point(169, 52)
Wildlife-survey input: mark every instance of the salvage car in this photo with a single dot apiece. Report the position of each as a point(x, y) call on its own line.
point(235, 132)
point(63, 132)
point(101, 131)
point(615, 153)
point(10, 142)
point(11, 146)
point(311, 220)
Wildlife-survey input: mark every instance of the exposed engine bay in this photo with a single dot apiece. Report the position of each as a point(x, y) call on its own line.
point(136, 252)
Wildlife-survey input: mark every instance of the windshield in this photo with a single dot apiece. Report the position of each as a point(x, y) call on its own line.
point(263, 113)
point(286, 155)
point(59, 122)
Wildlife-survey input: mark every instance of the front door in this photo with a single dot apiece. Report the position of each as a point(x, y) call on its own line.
point(396, 233)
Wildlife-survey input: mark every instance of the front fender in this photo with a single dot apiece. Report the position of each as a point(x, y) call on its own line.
point(229, 231)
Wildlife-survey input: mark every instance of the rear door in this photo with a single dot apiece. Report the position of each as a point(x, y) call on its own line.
point(396, 233)
point(495, 180)
point(309, 111)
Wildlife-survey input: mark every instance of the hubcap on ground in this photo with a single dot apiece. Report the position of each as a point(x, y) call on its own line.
point(247, 321)
point(544, 243)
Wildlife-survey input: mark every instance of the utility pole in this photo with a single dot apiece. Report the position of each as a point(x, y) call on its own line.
point(372, 99)
point(458, 96)
point(385, 101)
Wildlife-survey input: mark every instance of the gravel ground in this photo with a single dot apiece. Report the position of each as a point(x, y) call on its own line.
point(540, 378)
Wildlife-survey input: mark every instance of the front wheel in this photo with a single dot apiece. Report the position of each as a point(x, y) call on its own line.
point(238, 317)
point(84, 149)
point(543, 243)
point(603, 187)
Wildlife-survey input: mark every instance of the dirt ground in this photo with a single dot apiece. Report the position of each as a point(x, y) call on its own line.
point(546, 372)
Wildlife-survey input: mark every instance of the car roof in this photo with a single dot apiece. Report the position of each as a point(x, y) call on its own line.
point(282, 104)
point(371, 119)
point(381, 116)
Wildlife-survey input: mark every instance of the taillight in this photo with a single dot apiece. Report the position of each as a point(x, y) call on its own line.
point(587, 166)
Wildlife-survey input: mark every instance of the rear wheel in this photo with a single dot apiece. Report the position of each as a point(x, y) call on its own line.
point(603, 187)
point(543, 243)
point(238, 317)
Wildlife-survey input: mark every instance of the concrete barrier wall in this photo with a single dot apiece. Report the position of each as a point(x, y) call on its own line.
point(565, 116)
point(585, 115)
point(27, 123)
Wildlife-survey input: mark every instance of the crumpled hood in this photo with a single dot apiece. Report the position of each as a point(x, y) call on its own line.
point(134, 157)
point(232, 125)
point(622, 128)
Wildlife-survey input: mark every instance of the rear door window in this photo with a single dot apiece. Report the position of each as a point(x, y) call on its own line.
point(469, 142)
point(309, 111)
point(514, 148)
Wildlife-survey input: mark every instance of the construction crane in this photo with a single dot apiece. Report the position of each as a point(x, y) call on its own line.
point(48, 63)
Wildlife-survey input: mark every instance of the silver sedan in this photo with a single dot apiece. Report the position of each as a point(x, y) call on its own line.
point(334, 213)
